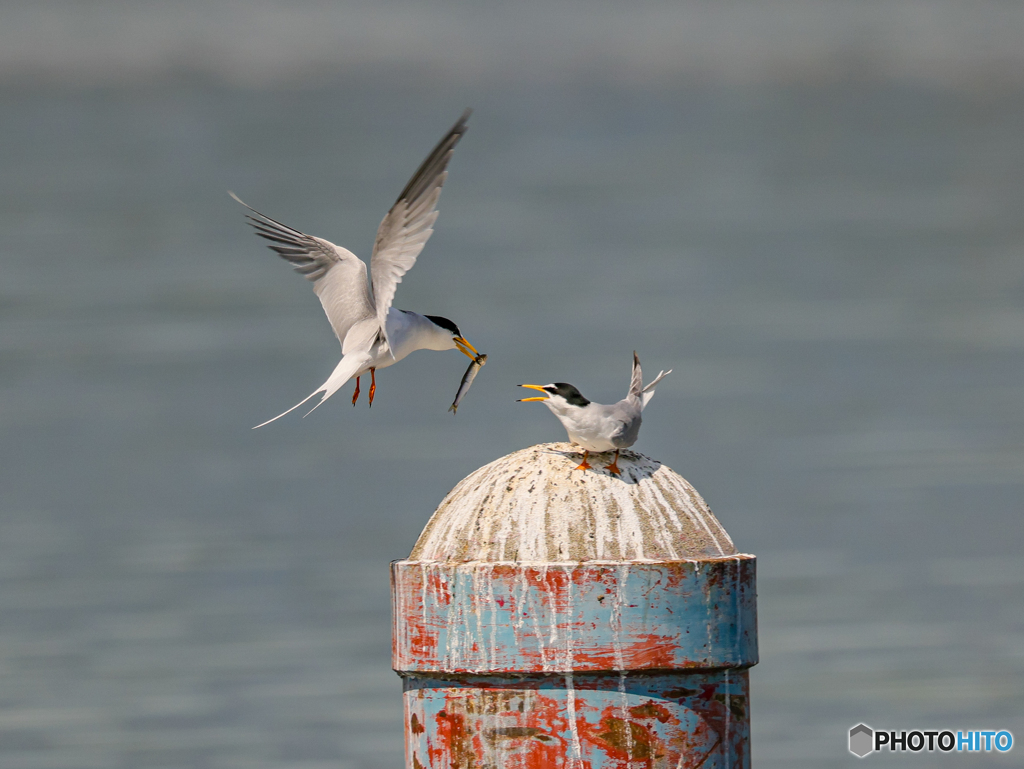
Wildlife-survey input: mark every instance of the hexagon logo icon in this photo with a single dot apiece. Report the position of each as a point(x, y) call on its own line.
point(862, 738)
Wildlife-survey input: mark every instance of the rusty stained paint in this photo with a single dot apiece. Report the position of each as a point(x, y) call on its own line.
point(670, 721)
point(415, 727)
point(516, 617)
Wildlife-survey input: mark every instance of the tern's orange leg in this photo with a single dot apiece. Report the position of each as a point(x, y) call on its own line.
point(614, 466)
point(584, 465)
point(373, 384)
point(355, 395)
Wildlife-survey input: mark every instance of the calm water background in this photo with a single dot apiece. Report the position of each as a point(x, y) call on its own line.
point(813, 212)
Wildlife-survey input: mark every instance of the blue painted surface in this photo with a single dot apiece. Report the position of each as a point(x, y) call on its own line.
point(505, 617)
point(578, 665)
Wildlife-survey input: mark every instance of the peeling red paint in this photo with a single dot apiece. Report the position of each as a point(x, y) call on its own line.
point(653, 652)
point(452, 744)
point(632, 742)
point(554, 580)
point(437, 586)
point(503, 638)
point(423, 644)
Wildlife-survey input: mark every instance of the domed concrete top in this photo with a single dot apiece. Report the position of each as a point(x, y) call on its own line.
point(533, 506)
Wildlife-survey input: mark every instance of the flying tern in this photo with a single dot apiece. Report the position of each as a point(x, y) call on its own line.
point(372, 333)
point(595, 426)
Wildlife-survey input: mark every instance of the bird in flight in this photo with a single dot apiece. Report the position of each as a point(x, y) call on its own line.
point(372, 333)
point(595, 426)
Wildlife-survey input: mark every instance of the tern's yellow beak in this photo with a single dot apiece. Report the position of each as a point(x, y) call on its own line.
point(465, 347)
point(534, 387)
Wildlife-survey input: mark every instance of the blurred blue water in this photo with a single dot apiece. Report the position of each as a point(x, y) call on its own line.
point(835, 270)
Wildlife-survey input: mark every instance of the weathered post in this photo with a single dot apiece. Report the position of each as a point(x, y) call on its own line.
point(557, 618)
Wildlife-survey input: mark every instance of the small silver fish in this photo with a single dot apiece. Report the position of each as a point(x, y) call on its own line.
point(467, 380)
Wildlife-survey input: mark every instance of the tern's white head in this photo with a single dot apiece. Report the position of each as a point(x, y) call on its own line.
point(445, 335)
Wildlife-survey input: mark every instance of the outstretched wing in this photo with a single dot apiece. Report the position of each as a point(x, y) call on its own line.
point(407, 226)
point(338, 275)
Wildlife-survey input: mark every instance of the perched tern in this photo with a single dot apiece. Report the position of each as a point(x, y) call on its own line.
point(594, 426)
point(373, 334)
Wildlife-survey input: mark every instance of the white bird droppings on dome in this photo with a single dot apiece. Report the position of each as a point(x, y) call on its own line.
point(533, 506)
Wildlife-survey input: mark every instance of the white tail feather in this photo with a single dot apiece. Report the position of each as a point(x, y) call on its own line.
point(636, 381)
point(347, 368)
point(648, 392)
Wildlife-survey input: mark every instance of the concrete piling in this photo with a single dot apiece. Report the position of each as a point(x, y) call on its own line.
point(549, 617)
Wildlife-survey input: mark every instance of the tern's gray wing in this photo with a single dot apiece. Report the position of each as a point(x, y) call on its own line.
point(407, 226)
point(338, 275)
point(627, 414)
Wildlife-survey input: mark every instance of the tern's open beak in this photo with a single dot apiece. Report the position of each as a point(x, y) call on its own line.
point(534, 387)
point(466, 348)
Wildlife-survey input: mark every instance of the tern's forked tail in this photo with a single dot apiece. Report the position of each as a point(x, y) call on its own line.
point(636, 384)
point(648, 392)
point(347, 368)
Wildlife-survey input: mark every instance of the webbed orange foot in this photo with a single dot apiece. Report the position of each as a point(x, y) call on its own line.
point(584, 465)
point(373, 384)
point(614, 466)
point(355, 395)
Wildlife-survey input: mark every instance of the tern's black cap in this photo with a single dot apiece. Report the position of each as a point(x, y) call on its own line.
point(444, 323)
point(572, 396)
